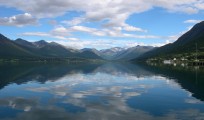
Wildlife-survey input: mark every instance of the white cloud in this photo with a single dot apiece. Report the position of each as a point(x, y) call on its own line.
point(63, 33)
point(140, 36)
point(42, 34)
point(183, 6)
point(190, 10)
point(74, 21)
point(192, 21)
point(115, 12)
point(83, 29)
point(74, 39)
point(132, 28)
point(92, 31)
point(97, 9)
point(112, 32)
point(105, 43)
point(200, 5)
point(18, 20)
point(60, 31)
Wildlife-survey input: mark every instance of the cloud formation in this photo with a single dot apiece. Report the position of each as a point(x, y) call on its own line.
point(114, 11)
point(19, 20)
point(192, 21)
point(62, 32)
point(95, 9)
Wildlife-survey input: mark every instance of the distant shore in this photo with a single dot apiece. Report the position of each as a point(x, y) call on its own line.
point(51, 59)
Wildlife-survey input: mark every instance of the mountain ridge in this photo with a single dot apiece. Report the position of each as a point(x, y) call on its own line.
point(188, 43)
point(20, 48)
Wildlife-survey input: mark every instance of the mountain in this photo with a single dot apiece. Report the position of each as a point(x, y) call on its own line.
point(38, 44)
point(9, 48)
point(45, 49)
point(186, 44)
point(133, 52)
point(124, 54)
point(93, 50)
point(52, 50)
point(41, 43)
point(23, 49)
point(22, 42)
point(110, 54)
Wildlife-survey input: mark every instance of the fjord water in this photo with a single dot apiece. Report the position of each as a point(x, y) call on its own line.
point(109, 91)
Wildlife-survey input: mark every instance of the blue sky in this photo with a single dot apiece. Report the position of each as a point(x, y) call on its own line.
point(99, 23)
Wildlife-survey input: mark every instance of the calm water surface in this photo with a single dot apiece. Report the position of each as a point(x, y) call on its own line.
point(110, 91)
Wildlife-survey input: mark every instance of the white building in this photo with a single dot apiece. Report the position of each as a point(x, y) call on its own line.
point(167, 62)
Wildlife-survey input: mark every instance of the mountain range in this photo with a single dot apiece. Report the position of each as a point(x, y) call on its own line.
point(185, 46)
point(124, 54)
point(20, 48)
point(119, 53)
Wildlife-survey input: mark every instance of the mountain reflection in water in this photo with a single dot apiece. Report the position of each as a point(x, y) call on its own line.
point(121, 91)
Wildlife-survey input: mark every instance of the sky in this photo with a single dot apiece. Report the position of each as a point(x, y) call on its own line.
point(99, 23)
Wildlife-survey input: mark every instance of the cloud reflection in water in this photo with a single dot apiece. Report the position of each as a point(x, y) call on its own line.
point(103, 94)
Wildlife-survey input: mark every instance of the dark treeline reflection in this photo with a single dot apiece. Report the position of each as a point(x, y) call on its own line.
point(191, 79)
point(22, 73)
